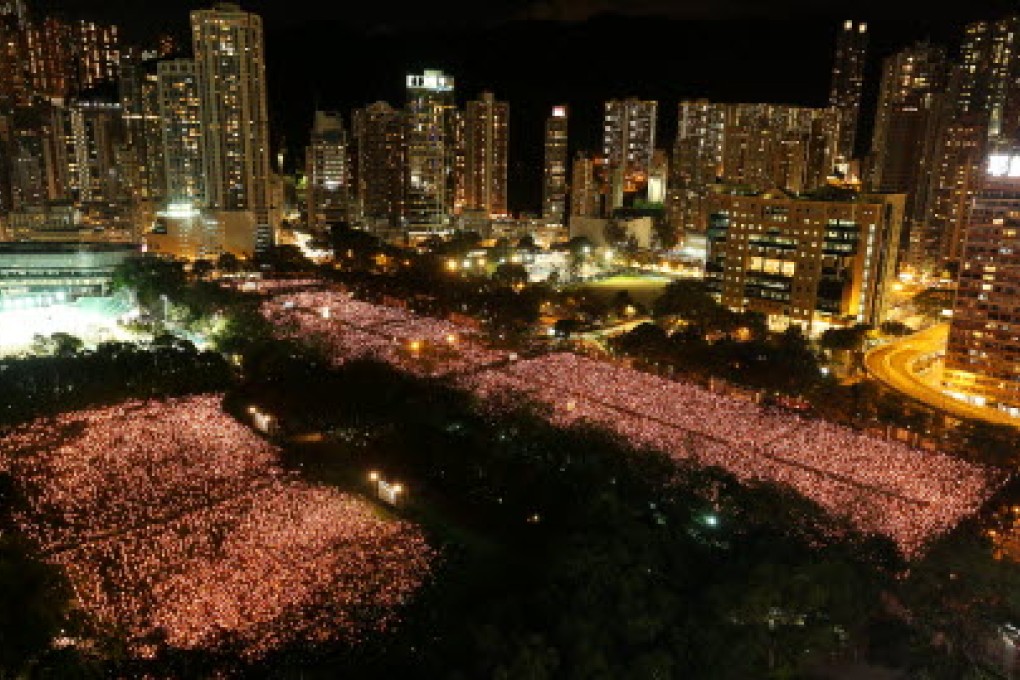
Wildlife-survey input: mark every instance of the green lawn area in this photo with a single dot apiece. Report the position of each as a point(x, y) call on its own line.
point(643, 288)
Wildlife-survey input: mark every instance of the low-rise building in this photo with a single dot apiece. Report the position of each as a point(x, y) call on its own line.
point(817, 260)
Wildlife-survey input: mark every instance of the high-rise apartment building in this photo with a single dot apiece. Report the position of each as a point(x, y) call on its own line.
point(98, 51)
point(429, 150)
point(628, 139)
point(141, 103)
point(983, 355)
point(229, 52)
point(912, 81)
point(97, 136)
point(768, 146)
point(697, 163)
point(554, 176)
point(380, 168)
point(15, 69)
point(818, 260)
point(182, 123)
point(848, 83)
point(589, 186)
point(487, 138)
point(979, 110)
point(328, 172)
point(54, 54)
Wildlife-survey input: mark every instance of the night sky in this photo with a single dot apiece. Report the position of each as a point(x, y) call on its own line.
point(535, 54)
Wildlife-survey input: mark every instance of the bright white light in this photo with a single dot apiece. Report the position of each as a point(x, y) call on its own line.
point(180, 211)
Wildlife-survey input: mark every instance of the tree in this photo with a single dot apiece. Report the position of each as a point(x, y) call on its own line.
point(527, 243)
point(202, 268)
point(228, 263)
point(989, 443)
point(690, 301)
point(35, 600)
point(510, 275)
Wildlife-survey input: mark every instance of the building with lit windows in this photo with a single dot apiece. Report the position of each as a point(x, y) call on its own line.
point(97, 132)
point(979, 110)
point(589, 186)
point(229, 52)
point(328, 172)
point(380, 167)
point(98, 50)
point(912, 81)
point(181, 117)
point(554, 184)
point(770, 146)
point(848, 83)
point(983, 355)
point(628, 139)
point(817, 260)
point(697, 163)
point(430, 151)
point(487, 141)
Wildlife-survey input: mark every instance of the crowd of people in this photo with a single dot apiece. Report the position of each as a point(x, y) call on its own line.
point(176, 523)
point(352, 329)
point(884, 487)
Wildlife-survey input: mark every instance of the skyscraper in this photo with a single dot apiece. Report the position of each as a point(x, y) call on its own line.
point(486, 134)
point(427, 138)
point(229, 54)
point(979, 110)
point(983, 355)
point(329, 172)
point(697, 162)
point(589, 186)
point(98, 50)
point(628, 139)
point(848, 83)
point(380, 168)
point(181, 117)
point(554, 185)
point(52, 44)
point(139, 100)
point(97, 133)
point(912, 79)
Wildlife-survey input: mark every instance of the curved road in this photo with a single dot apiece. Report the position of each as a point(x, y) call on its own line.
point(891, 365)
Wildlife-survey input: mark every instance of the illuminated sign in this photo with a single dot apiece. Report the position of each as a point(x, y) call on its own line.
point(559, 112)
point(1003, 165)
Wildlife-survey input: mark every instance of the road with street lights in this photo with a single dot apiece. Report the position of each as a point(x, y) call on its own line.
point(893, 365)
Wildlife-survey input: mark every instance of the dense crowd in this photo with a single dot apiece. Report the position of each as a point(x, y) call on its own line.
point(172, 519)
point(351, 329)
point(883, 487)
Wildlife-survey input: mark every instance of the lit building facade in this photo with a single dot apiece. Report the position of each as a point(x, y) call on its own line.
point(554, 176)
point(229, 52)
point(848, 83)
point(98, 135)
point(912, 81)
point(628, 139)
point(697, 163)
point(983, 355)
point(430, 151)
point(328, 172)
point(487, 141)
point(380, 167)
point(589, 186)
point(183, 148)
point(815, 261)
point(98, 51)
